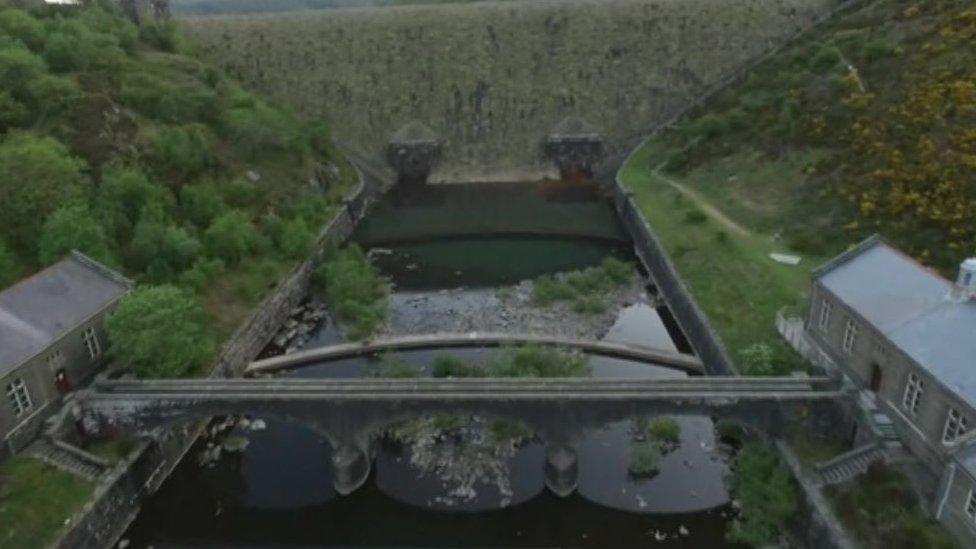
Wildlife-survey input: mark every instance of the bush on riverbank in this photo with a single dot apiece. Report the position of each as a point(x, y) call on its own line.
point(653, 438)
point(356, 292)
point(882, 511)
point(766, 493)
point(534, 360)
point(586, 288)
point(645, 459)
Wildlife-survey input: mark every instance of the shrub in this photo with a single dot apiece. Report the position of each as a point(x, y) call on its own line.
point(757, 360)
point(160, 331)
point(665, 429)
point(695, 217)
point(452, 366)
point(589, 305)
point(826, 58)
point(534, 360)
point(161, 248)
point(355, 290)
point(202, 273)
point(161, 35)
point(505, 432)
point(764, 488)
point(295, 238)
point(586, 288)
point(392, 366)
point(261, 129)
point(180, 153)
point(201, 203)
point(13, 113)
point(241, 193)
point(73, 46)
point(73, 228)
point(230, 237)
point(645, 459)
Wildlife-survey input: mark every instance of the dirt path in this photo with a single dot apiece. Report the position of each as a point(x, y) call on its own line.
point(702, 203)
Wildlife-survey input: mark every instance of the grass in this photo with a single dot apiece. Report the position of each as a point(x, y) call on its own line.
point(880, 509)
point(587, 289)
point(37, 502)
point(730, 275)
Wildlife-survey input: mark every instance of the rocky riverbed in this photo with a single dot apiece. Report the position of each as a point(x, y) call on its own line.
point(509, 309)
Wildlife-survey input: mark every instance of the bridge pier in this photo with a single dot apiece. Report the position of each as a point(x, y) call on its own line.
point(351, 466)
point(561, 469)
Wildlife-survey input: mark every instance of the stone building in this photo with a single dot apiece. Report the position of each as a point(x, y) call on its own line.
point(907, 337)
point(52, 339)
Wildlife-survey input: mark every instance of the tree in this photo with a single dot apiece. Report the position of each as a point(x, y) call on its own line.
point(230, 237)
point(125, 190)
point(37, 176)
point(8, 266)
point(73, 228)
point(160, 248)
point(23, 26)
point(160, 332)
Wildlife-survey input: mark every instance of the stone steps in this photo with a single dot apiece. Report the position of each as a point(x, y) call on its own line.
point(848, 466)
point(68, 458)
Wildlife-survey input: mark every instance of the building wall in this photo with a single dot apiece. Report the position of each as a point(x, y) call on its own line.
point(922, 431)
point(39, 377)
point(953, 510)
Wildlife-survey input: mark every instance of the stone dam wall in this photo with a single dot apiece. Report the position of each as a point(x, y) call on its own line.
point(493, 78)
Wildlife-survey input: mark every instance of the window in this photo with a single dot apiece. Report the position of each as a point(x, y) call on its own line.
point(971, 505)
point(850, 334)
point(825, 309)
point(91, 342)
point(18, 396)
point(55, 360)
point(913, 393)
point(956, 424)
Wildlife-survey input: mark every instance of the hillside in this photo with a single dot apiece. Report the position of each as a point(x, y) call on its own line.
point(866, 125)
point(150, 160)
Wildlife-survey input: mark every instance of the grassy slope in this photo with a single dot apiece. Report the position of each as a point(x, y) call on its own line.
point(36, 502)
point(782, 153)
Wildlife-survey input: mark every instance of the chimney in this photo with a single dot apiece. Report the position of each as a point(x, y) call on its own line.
point(966, 283)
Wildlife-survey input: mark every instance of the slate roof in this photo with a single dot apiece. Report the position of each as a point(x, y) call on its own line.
point(910, 305)
point(37, 311)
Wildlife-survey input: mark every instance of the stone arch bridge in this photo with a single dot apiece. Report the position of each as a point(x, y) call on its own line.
point(347, 412)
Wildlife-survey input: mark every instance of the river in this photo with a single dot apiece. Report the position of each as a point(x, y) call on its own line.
point(447, 249)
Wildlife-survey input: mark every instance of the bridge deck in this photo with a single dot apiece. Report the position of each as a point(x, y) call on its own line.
point(465, 389)
point(663, 357)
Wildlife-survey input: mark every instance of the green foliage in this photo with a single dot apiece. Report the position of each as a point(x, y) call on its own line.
point(645, 459)
point(181, 153)
point(160, 332)
point(295, 238)
point(826, 58)
point(759, 359)
point(124, 191)
point(882, 510)
point(764, 488)
point(452, 366)
point(695, 217)
point(587, 288)
point(201, 203)
point(536, 361)
point(260, 130)
point(230, 237)
point(203, 272)
point(505, 432)
point(161, 35)
point(71, 45)
point(160, 248)
point(393, 366)
point(22, 26)
point(73, 228)
point(36, 500)
point(241, 193)
point(355, 290)
point(8, 266)
point(37, 176)
point(662, 429)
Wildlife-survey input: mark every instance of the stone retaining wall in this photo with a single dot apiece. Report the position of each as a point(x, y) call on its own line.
point(117, 500)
